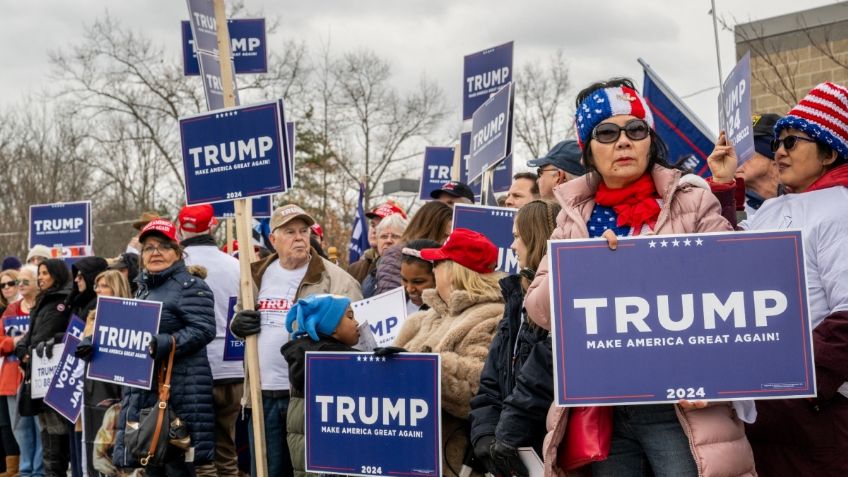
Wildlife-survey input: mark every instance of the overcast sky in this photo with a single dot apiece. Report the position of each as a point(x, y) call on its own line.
point(600, 38)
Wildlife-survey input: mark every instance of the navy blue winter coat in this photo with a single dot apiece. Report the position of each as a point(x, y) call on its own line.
point(188, 314)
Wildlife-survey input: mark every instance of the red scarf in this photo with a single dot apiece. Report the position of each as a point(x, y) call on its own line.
point(832, 178)
point(635, 205)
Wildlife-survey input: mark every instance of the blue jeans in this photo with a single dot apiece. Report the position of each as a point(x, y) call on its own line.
point(28, 434)
point(644, 439)
point(276, 445)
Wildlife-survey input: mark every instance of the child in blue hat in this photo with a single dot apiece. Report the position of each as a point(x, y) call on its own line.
point(316, 323)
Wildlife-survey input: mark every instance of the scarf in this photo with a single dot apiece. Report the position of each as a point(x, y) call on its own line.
point(635, 205)
point(832, 178)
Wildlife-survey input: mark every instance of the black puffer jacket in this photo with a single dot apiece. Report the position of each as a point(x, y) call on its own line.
point(48, 319)
point(510, 348)
point(188, 314)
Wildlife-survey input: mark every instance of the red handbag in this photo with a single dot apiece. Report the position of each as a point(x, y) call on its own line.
point(588, 436)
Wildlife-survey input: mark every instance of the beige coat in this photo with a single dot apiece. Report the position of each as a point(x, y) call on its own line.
point(716, 435)
point(461, 332)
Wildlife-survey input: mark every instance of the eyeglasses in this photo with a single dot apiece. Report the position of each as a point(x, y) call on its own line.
point(788, 142)
point(541, 170)
point(162, 248)
point(7, 284)
point(23, 282)
point(608, 133)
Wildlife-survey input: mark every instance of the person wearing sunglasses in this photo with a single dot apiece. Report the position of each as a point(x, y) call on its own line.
point(630, 189)
point(8, 288)
point(799, 436)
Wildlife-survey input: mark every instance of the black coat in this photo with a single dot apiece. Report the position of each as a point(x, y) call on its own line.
point(81, 303)
point(188, 314)
point(510, 348)
point(48, 319)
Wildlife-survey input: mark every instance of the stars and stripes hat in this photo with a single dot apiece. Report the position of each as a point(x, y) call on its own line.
point(823, 114)
point(604, 103)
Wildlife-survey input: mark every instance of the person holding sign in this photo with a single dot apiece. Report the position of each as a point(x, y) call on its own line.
point(188, 315)
point(501, 421)
point(48, 322)
point(801, 437)
point(631, 190)
point(465, 308)
point(316, 323)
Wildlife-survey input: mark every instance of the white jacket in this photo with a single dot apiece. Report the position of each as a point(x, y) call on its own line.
point(223, 278)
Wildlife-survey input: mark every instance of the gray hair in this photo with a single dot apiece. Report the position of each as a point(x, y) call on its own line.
point(395, 222)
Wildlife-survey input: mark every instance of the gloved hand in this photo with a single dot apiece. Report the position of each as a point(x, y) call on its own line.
point(45, 348)
point(481, 452)
point(505, 461)
point(160, 346)
point(246, 323)
point(388, 350)
point(85, 349)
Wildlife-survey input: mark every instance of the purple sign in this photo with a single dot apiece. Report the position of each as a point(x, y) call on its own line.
point(385, 412)
point(502, 178)
point(66, 388)
point(484, 73)
point(63, 224)
point(438, 162)
point(233, 347)
point(204, 28)
point(671, 317)
point(248, 47)
point(123, 329)
point(493, 222)
point(491, 133)
point(213, 86)
point(734, 105)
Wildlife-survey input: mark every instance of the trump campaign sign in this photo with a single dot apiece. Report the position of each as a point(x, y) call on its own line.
point(501, 179)
point(247, 37)
point(438, 162)
point(368, 414)
point(493, 222)
point(260, 208)
point(485, 73)
point(66, 388)
point(734, 105)
point(64, 224)
point(491, 133)
point(235, 153)
point(123, 329)
point(672, 317)
point(384, 313)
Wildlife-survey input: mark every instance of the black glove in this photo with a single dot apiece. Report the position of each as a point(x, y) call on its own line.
point(85, 350)
point(481, 452)
point(246, 323)
point(388, 350)
point(505, 461)
point(45, 348)
point(160, 346)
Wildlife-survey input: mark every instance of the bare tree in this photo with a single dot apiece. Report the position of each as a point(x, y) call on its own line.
point(541, 112)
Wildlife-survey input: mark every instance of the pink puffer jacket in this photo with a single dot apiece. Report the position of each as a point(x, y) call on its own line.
point(716, 435)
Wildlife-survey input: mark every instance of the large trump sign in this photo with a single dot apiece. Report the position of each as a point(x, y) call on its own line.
point(664, 318)
point(64, 224)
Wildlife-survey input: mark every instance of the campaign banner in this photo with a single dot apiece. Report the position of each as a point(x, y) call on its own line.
point(249, 53)
point(384, 313)
point(234, 153)
point(491, 133)
point(662, 318)
point(501, 179)
point(233, 346)
point(201, 14)
point(734, 105)
point(385, 412)
point(260, 208)
point(43, 369)
point(438, 162)
point(63, 224)
point(65, 392)
point(496, 224)
point(123, 329)
point(484, 73)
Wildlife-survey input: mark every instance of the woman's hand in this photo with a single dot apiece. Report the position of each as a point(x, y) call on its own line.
point(687, 405)
point(723, 161)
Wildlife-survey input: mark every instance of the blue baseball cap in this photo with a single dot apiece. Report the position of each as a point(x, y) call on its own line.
point(564, 156)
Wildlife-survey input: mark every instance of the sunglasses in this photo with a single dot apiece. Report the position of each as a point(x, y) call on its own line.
point(788, 142)
point(608, 133)
point(23, 282)
point(7, 284)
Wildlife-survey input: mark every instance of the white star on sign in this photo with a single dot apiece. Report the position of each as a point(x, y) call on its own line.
point(699, 242)
point(687, 242)
point(652, 244)
point(384, 359)
point(676, 243)
point(664, 243)
point(359, 358)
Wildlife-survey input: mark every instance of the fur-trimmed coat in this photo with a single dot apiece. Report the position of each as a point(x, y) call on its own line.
point(461, 332)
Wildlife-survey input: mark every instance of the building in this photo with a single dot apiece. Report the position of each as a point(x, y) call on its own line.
point(791, 54)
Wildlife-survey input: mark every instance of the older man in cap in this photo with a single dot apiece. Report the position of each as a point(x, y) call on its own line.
point(294, 271)
point(560, 164)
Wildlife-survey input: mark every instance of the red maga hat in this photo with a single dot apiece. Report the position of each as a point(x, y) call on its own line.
point(468, 248)
point(159, 227)
point(196, 218)
point(384, 210)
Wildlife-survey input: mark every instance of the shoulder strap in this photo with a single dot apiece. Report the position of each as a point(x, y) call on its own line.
point(164, 395)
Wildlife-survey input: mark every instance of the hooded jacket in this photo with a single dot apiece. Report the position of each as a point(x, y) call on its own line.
point(81, 303)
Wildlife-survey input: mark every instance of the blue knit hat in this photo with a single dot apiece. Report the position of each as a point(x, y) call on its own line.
point(11, 263)
point(316, 314)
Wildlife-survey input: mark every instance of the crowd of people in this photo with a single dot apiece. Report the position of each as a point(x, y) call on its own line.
point(491, 330)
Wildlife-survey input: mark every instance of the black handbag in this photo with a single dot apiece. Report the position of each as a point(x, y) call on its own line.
point(159, 435)
point(27, 406)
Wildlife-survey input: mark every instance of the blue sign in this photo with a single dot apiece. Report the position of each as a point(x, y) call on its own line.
point(60, 225)
point(384, 412)
point(248, 47)
point(15, 326)
point(66, 388)
point(491, 133)
point(501, 179)
point(123, 329)
point(201, 14)
point(233, 347)
point(261, 208)
point(734, 106)
point(484, 73)
point(493, 222)
point(234, 153)
point(438, 162)
point(663, 318)
point(213, 86)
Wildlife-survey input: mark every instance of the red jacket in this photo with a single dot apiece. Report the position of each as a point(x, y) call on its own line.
point(10, 374)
